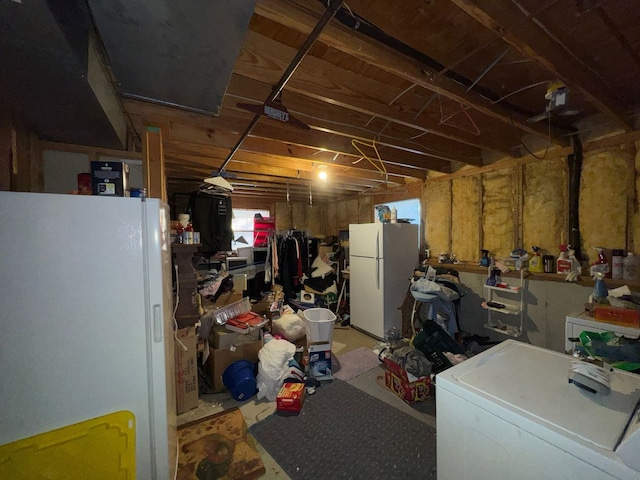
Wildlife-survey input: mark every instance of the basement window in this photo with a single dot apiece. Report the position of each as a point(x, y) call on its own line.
point(242, 226)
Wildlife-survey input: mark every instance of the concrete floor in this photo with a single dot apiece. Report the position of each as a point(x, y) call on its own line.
point(345, 339)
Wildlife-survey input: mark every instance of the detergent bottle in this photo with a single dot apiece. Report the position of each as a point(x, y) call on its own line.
point(535, 262)
point(563, 264)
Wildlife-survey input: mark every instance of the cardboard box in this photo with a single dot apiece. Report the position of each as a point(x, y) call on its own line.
point(320, 361)
point(186, 370)
point(229, 297)
point(110, 179)
point(221, 358)
point(290, 398)
point(224, 338)
point(410, 390)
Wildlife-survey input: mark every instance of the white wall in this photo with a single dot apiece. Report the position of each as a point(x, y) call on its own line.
point(547, 303)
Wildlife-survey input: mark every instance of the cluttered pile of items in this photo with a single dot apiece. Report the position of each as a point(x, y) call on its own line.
point(260, 348)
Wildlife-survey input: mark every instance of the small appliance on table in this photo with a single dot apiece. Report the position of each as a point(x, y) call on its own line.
point(510, 412)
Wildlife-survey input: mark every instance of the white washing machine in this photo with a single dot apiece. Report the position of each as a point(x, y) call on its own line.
point(510, 413)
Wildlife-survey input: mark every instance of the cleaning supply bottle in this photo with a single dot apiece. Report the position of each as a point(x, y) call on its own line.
point(484, 261)
point(631, 267)
point(576, 268)
point(563, 264)
point(535, 262)
point(600, 291)
point(617, 256)
point(601, 265)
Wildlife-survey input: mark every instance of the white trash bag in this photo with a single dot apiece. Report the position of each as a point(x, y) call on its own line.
point(273, 367)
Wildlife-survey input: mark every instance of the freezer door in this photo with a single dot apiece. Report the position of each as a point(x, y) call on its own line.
point(75, 303)
point(365, 240)
point(367, 295)
point(160, 350)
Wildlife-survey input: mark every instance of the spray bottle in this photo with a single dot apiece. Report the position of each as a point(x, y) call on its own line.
point(600, 291)
point(535, 262)
point(601, 265)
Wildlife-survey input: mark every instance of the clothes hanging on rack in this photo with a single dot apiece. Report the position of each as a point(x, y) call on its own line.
point(287, 260)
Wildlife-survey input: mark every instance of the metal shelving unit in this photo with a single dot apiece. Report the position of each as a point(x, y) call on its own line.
point(501, 320)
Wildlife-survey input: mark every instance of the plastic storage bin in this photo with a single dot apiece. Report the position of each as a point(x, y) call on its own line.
point(319, 322)
point(240, 380)
point(433, 341)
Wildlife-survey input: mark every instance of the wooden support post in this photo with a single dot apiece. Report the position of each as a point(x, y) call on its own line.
point(153, 164)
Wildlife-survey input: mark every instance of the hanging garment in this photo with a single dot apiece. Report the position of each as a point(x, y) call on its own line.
point(211, 216)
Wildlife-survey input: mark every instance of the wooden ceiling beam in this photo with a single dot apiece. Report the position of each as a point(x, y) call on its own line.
point(352, 43)
point(271, 137)
point(534, 41)
point(350, 123)
point(278, 168)
point(263, 58)
point(196, 138)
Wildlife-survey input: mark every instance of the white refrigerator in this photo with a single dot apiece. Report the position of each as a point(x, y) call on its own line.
point(86, 317)
point(382, 257)
point(511, 413)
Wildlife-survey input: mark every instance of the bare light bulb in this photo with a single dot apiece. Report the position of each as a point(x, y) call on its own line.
point(323, 176)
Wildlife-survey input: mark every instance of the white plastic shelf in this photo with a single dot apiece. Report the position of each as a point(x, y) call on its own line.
point(511, 309)
point(509, 330)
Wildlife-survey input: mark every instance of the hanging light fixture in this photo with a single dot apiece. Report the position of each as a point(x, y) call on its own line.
point(322, 174)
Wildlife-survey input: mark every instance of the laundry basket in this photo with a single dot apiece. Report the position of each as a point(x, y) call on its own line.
point(319, 322)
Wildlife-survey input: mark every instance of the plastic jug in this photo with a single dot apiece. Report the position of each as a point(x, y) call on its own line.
point(631, 267)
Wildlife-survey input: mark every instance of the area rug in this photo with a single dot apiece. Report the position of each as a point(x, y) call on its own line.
point(218, 446)
point(337, 346)
point(343, 432)
point(354, 363)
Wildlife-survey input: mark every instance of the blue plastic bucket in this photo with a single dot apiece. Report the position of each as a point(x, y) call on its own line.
point(240, 380)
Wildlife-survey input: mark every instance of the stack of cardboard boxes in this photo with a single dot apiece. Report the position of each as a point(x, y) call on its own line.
point(227, 347)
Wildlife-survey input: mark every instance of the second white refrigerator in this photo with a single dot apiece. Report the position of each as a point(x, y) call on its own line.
point(382, 257)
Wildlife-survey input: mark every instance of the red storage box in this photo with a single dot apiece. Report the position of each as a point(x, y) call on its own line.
point(261, 228)
point(397, 380)
point(290, 398)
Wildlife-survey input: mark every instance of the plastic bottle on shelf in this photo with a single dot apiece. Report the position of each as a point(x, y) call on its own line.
point(188, 233)
point(617, 256)
point(631, 267)
point(600, 291)
point(394, 215)
point(563, 264)
point(535, 262)
point(179, 233)
point(601, 265)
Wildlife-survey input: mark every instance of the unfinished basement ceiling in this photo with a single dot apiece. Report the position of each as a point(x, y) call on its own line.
point(434, 85)
point(179, 54)
point(393, 92)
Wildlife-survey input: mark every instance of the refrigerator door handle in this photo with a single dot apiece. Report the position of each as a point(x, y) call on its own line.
point(378, 260)
point(157, 324)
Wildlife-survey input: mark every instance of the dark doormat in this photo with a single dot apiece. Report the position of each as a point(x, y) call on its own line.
point(343, 432)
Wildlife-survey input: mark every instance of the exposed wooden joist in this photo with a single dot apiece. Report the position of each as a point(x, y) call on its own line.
point(352, 43)
point(272, 138)
point(534, 42)
point(350, 123)
point(262, 58)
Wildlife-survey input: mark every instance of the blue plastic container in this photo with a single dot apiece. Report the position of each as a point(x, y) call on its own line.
point(240, 380)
